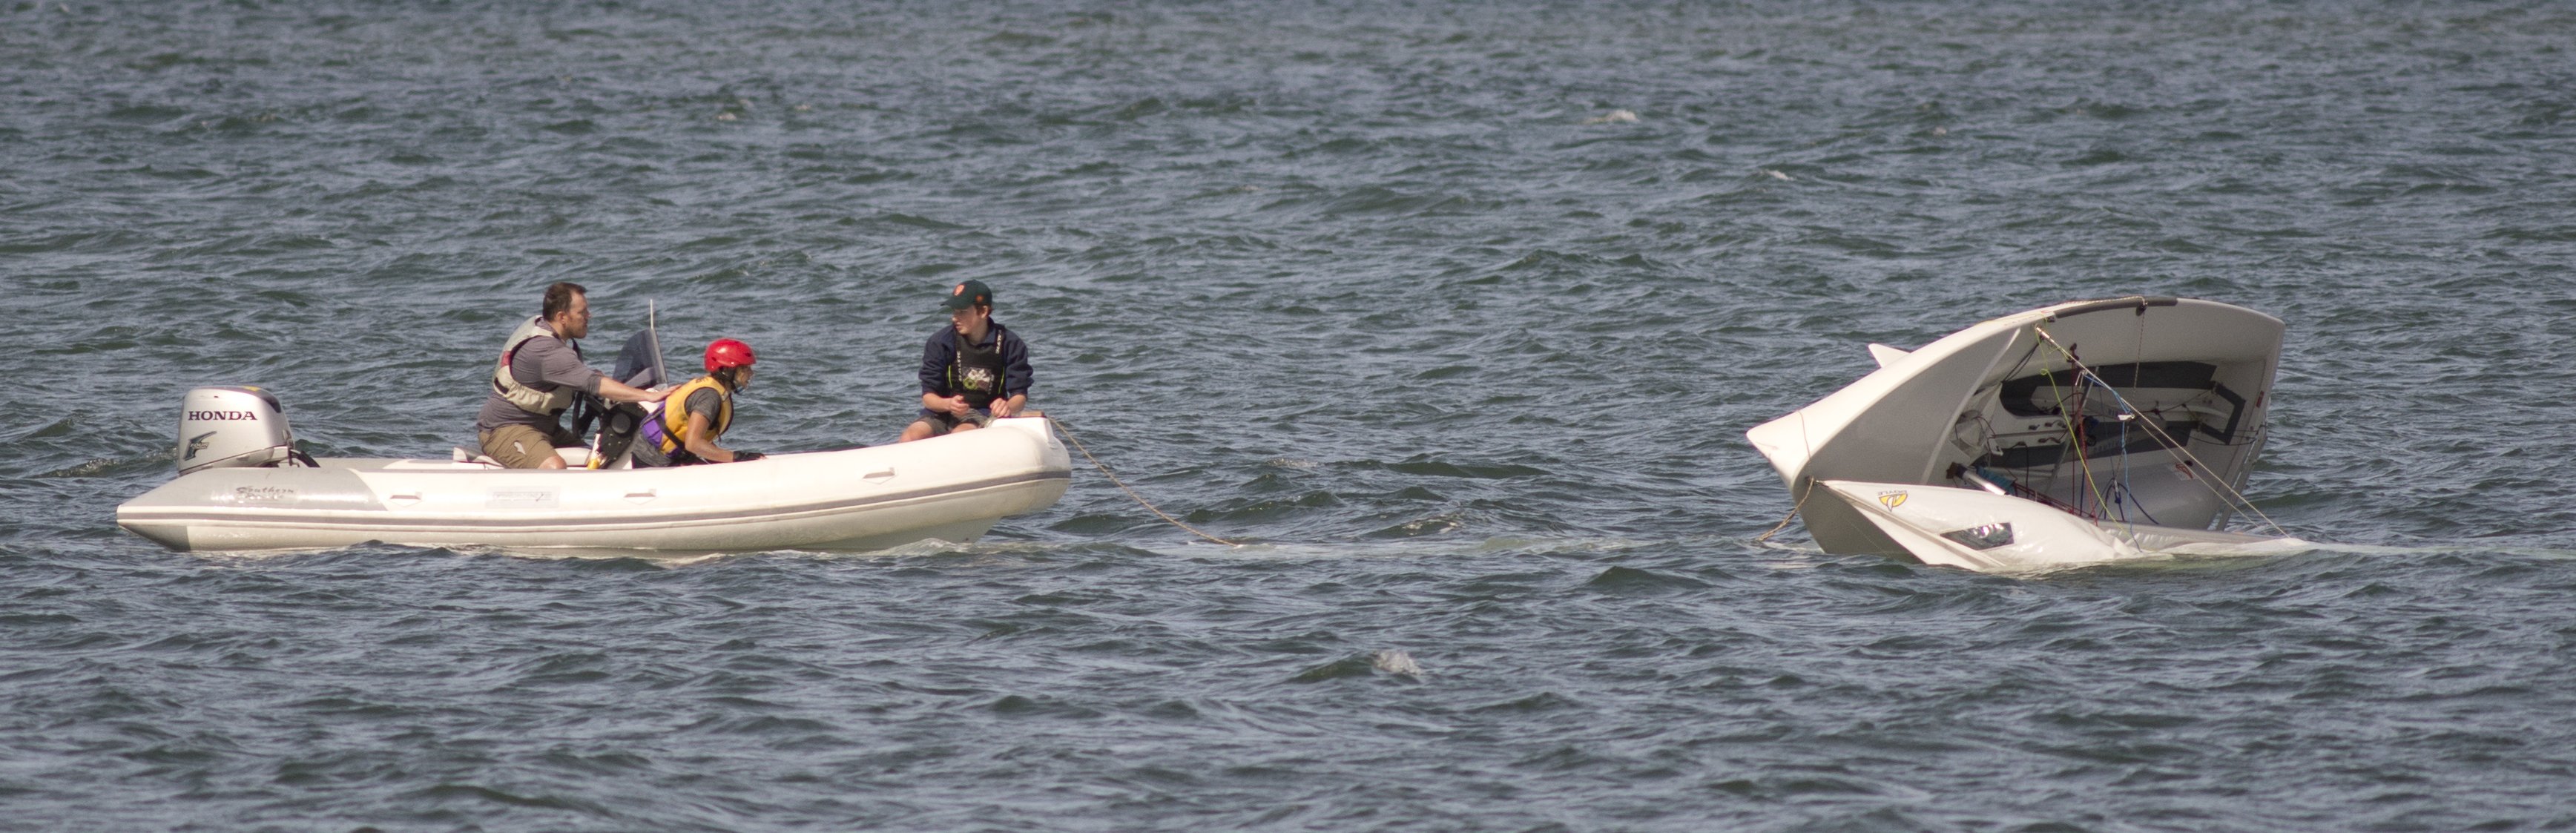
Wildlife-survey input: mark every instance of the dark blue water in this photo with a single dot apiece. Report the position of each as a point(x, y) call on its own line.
point(1397, 294)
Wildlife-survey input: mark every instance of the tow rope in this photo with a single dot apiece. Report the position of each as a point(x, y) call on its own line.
point(1793, 512)
point(1122, 486)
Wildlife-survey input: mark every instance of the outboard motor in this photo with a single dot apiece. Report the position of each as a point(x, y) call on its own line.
point(234, 427)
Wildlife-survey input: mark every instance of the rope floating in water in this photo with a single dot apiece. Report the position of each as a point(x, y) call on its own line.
point(1122, 486)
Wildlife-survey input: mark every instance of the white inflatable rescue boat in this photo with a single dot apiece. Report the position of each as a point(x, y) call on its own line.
point(243, 486)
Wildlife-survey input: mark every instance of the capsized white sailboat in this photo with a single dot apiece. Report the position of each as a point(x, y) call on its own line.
point(2079, 433)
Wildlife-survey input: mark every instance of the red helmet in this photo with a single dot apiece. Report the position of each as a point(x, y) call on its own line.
point(726, 352)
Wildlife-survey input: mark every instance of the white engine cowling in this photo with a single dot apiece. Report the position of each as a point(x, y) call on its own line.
point(232, 427)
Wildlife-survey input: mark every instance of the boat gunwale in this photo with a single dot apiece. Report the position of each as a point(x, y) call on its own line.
point(377, 517)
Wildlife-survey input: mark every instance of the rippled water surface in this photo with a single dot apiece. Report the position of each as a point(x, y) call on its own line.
point(1454, 313)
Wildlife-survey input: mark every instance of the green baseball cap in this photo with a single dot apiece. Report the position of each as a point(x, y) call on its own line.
point(968, 294)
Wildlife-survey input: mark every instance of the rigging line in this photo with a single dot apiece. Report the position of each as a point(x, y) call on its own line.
point(2122, 485)
point(2137, 365)
point(2154, 430)
point(2177, 446)
point(2142, 507)
point(2024, 362)
point(2158, 432)
point(2075, 442)
point(1122, 486)
point(1793, 512)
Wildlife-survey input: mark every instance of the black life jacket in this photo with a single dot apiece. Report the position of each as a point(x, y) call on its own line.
point(979, 374)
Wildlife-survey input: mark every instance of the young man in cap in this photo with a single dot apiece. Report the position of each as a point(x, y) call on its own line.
point(972, 371)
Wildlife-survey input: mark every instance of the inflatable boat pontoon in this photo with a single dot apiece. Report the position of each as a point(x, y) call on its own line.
point(243, 487)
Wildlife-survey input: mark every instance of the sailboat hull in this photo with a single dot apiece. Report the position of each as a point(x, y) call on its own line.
point(2135, 412)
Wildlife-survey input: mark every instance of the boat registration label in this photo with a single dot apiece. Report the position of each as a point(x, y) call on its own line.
point(520, 499)
point(263, 494)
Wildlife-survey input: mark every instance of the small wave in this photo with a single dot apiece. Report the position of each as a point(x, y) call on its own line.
point(1335, 670)
point(1473, 471)
point(2482, 548)
point(1391, 662)
point(1435, 525)
point(1395, 662)
point(145, 114)
point(1632, 581)
point(1018, 39)
point(115, 467)
point(59, 428)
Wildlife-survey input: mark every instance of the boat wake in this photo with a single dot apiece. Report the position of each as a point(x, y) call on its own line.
point(2240, 549)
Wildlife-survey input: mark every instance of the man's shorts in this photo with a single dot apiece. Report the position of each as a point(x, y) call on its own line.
point(940, 423)
point(522, 447)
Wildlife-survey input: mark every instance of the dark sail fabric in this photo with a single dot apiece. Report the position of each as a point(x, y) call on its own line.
point(637, 364)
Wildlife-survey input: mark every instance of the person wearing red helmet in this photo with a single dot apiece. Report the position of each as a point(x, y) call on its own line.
point(697, 413)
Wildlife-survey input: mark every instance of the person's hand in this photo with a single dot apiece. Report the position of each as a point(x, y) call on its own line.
point(1001, 408)
point(747, 456)
point(956, 405)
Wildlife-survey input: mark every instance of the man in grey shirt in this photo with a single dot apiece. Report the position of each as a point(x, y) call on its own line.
point(541, 367)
